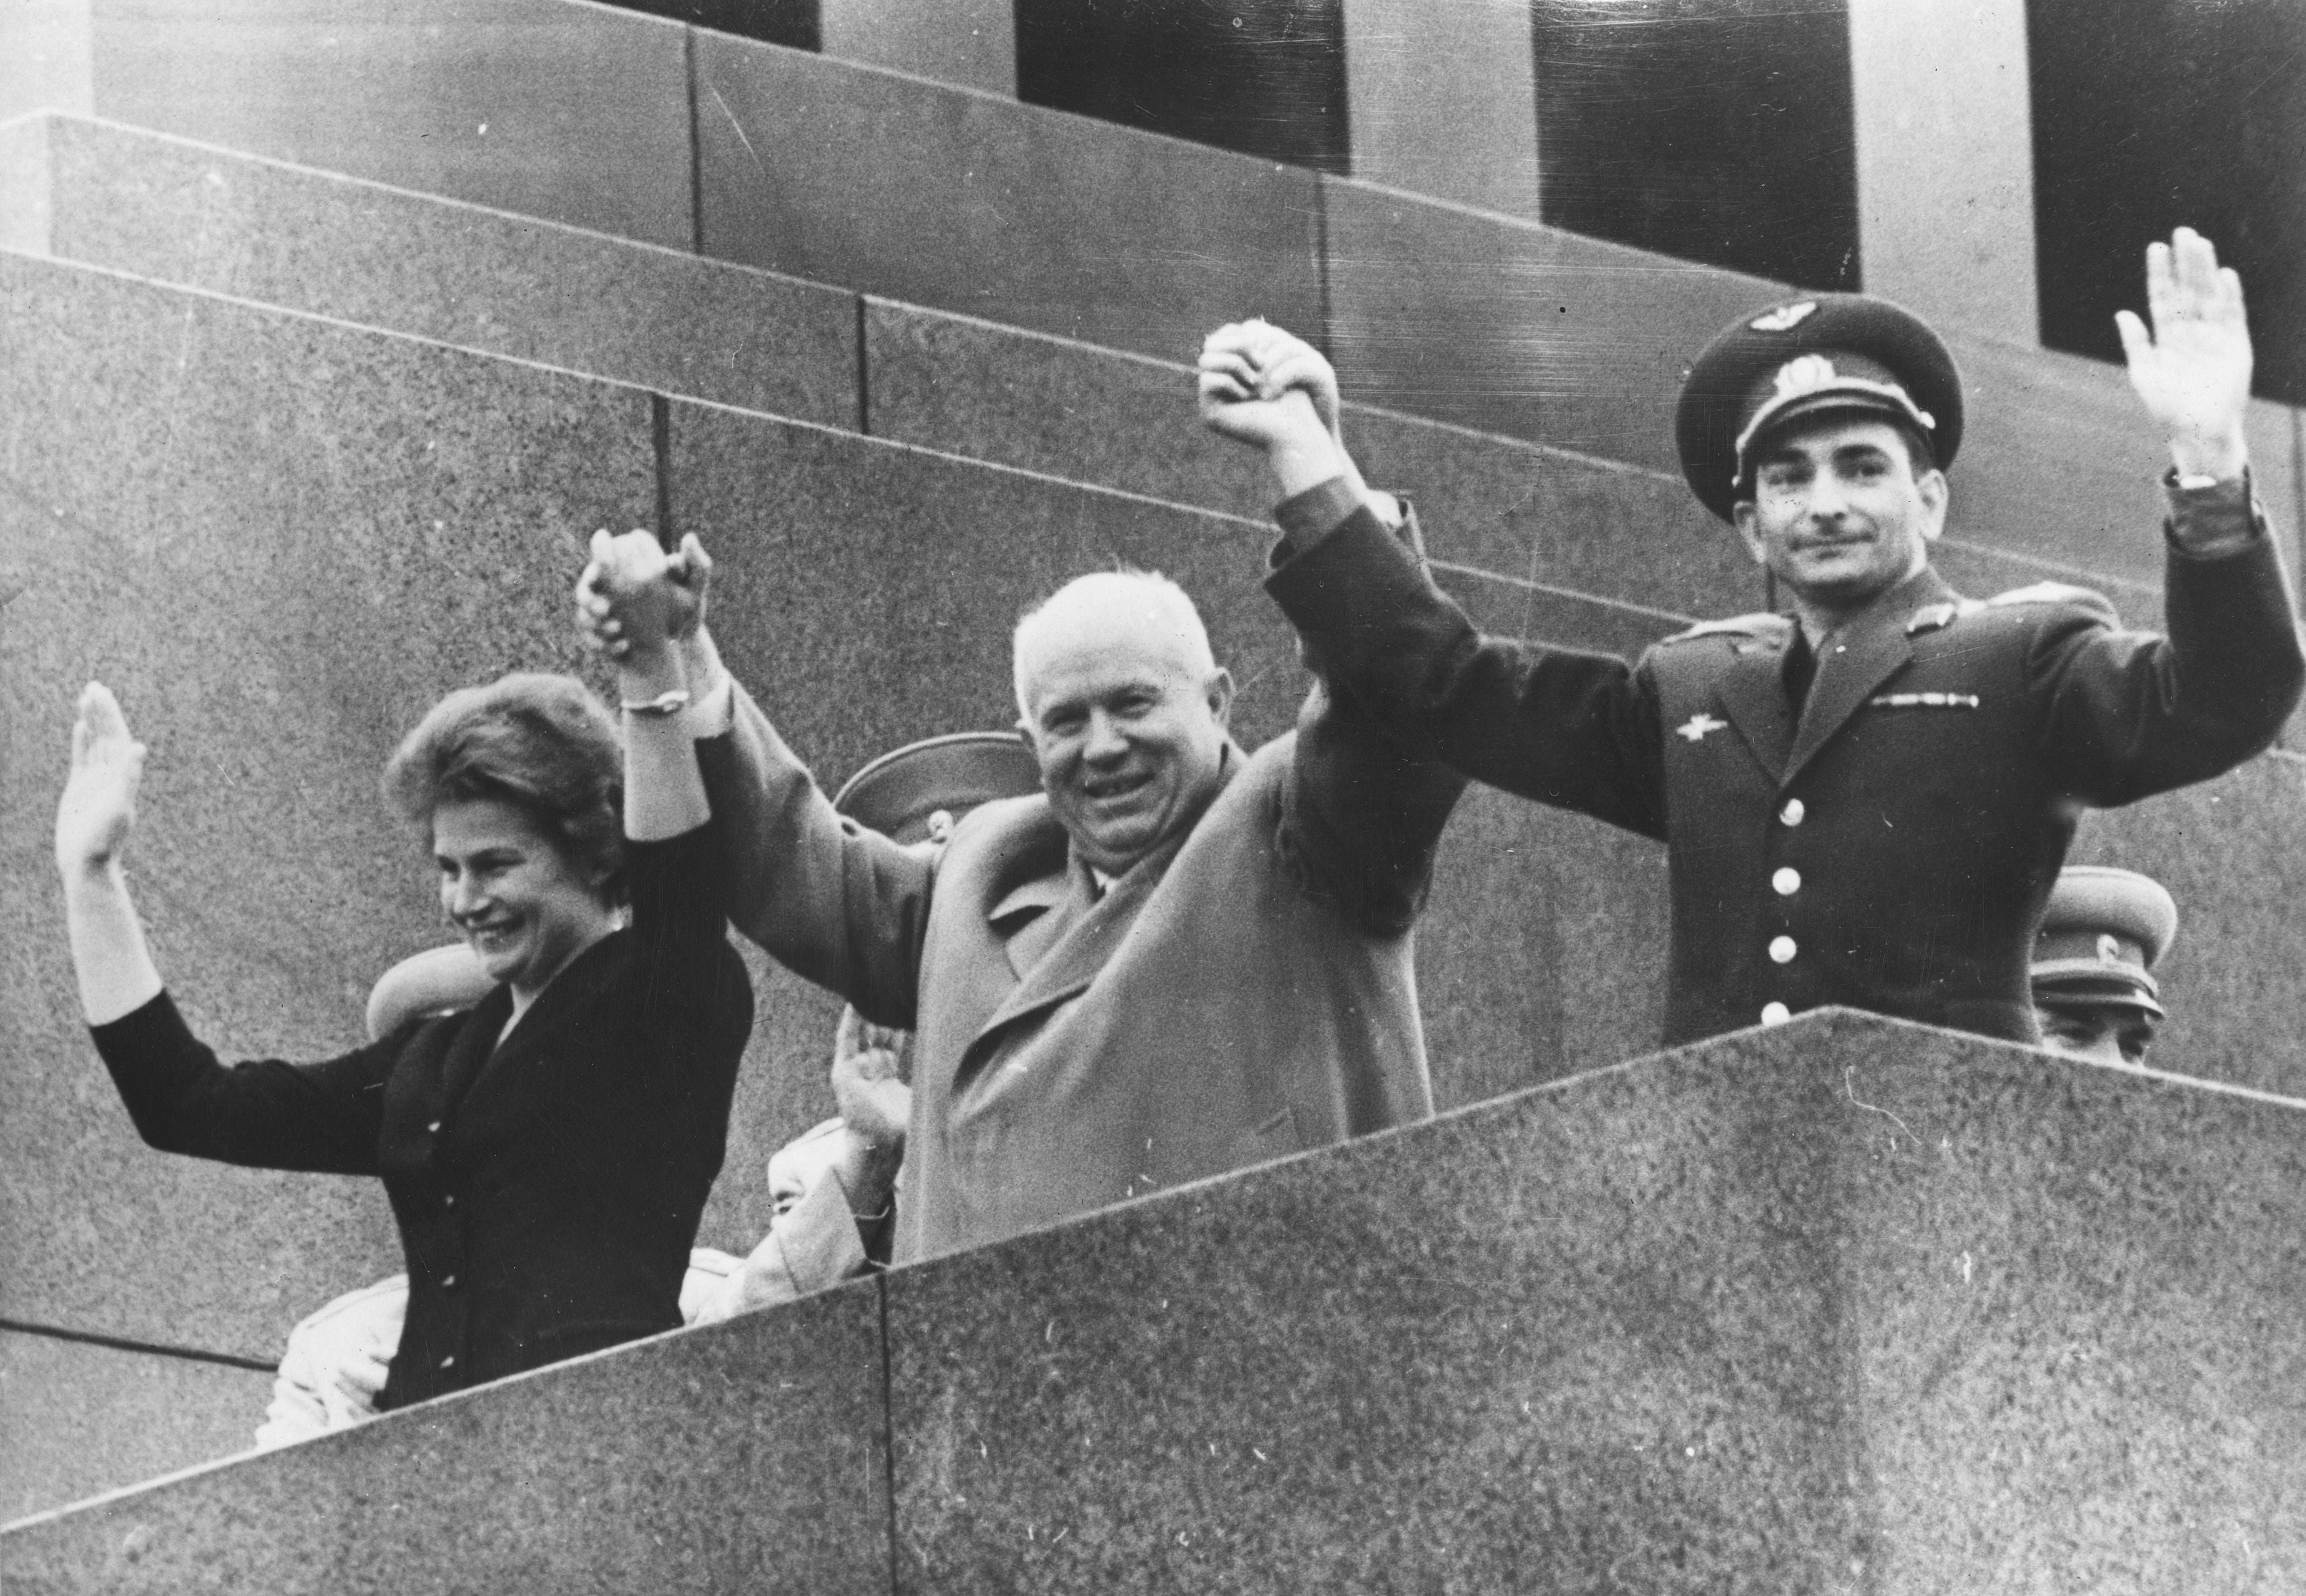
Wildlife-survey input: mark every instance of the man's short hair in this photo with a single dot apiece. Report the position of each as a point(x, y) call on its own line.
point(543, 744)
point(1166, 603)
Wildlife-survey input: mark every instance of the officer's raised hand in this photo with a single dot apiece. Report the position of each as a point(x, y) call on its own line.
point(2192, 370)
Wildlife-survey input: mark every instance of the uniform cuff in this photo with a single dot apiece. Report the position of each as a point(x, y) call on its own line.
point(2208, 523)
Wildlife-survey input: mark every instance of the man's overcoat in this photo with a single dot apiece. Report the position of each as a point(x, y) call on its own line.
point(1243, 991)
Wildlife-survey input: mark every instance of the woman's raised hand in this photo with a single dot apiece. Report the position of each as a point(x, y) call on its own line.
point(99, 806)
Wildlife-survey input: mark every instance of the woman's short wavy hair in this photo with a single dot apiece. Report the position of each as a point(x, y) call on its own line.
point(545, 745)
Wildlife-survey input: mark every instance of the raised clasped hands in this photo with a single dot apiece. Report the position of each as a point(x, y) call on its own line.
point(1267, 387)
point(2192, 370)
point(99, 806)
point(633, 595)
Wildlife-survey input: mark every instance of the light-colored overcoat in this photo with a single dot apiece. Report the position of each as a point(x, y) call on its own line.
point(1243, 991)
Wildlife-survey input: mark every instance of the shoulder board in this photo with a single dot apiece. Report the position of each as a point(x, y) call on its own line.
point(2049, 592)
point(1929, 618)
point(1772, 629)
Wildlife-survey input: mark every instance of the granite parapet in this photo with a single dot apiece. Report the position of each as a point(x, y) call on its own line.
point(746, 1455)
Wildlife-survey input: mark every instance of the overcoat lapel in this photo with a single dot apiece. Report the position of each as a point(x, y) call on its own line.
point(1872, 650)
point(1080, 948)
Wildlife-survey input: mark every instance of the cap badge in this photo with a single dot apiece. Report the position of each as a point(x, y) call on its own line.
point(2109, 948)
point(1785, 318)
point(1804, 374)
point(1695, 728)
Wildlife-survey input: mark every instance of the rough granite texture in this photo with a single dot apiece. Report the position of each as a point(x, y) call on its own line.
point(77, 1419)
point(484, 279)
point(747, 1456)
point(576, 112)
point(1850, 1306)
point(995, 208)
point(279, 541)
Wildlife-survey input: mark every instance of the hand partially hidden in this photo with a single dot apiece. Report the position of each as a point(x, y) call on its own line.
point(634, 594)
point(2192, 372)
point(868, 1084)
point(98, 809)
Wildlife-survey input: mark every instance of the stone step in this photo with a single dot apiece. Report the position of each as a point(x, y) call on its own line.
point(979, 204)
point(1847, 1303)
point(278, 234)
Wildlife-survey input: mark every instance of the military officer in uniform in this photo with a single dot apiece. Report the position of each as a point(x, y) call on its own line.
point(1865, 801)
point(2102, 934)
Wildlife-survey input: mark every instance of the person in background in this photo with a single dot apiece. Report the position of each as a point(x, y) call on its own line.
point(546, 1154)
point(2103, 933)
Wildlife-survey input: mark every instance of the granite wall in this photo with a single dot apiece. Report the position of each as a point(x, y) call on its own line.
point(1846, 1305)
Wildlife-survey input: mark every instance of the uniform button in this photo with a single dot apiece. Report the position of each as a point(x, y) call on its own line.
point(1787, 881)
point(448, 1282)
point(450, 1361)
point(449, 1201)
point(1782, 950)
point(434, 1127)
point(1776, 1013)
point(1793, 812)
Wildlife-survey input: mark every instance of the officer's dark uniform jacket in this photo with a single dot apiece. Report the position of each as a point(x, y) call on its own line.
point(1892, 847)
point(548, 1189)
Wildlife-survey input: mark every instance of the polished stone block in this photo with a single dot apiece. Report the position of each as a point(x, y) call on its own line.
point(484, 279)
point(279, 541)
point(748, 1457)
point(1497, 504)
point(77, 1419)
point(1052, 405)
point(1848, 1304)
point(574, 112)
point(981, 205)
point(1512, 328)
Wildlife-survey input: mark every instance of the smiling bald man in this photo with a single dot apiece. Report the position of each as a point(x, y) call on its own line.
point(1175, 959)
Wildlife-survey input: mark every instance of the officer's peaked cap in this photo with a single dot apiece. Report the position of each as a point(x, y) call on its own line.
point(900, 793)
point(1806, 357)
point(2103, 931)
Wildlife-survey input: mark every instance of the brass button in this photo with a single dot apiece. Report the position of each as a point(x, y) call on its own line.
point(450, 1361)
point(449, 1201)
point(1776, 1013)
point(1793, 812)
point(1782, 950)
point(434, 1127)
point(448, 1282)
point(1787, 881)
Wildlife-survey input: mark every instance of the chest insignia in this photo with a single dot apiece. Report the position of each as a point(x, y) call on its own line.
point(1695, 728)
point(1924, 701)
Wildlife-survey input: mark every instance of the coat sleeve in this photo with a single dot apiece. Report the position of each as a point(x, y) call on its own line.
point(323, 1118)
point(1562, 727)
point(2128, 714)
point(836, 904)
point(689, 1005)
